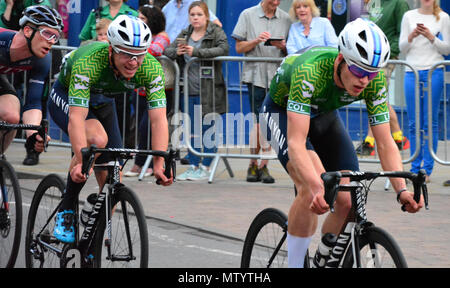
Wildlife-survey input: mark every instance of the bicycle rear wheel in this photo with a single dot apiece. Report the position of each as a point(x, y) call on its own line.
point(265, 245)
point(129, 243)
point(10, 215)
point(39, 234)
point(377, 250)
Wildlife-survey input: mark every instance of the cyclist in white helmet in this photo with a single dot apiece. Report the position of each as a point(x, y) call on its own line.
point(301, 108)
point(76, 107)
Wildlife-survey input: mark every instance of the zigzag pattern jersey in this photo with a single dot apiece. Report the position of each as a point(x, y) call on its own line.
point(304, 84)
point(88, 70)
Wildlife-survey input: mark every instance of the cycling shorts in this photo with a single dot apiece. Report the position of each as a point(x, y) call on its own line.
point(5, 86)
point(58, 108)
point(327, 137)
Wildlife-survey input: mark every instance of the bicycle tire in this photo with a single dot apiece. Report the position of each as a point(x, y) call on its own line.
point(136, 216)
point(388, 253)
point(46, 199)
point(10, 219)
point(258, 250)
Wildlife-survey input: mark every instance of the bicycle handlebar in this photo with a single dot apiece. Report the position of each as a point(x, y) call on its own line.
point(331, 182)
point(88, 155)
point(42, 129)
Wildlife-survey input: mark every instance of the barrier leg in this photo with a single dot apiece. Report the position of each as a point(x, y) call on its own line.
point(145, 167)
point(387, 184)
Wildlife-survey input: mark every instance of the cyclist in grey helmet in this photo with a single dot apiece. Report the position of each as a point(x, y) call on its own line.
point(27, 50)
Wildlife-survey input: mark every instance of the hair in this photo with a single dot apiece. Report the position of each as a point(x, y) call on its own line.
point(202, 5)
point(314, 10)
point(156, 20)
point(436, 10)
point(102, 24)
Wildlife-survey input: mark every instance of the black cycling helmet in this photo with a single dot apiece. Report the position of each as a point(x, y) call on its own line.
point(42, 15)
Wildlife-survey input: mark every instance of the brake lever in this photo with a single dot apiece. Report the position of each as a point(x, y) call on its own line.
point(43, 132)
point(170, 166)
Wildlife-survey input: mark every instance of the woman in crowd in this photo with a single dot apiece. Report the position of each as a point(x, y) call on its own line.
point(424, 39)
point(202, 39)
point(310, 29)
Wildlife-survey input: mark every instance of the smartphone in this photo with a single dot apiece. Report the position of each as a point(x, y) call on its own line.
point(419, 24)
point(269, 41)
point(181, 41)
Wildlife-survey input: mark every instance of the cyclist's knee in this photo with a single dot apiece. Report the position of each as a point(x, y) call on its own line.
point(11, 117)
point(98, 139)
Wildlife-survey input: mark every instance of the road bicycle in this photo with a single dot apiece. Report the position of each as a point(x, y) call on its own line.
point(359, 244)
point(11, 199)
point(115, 234)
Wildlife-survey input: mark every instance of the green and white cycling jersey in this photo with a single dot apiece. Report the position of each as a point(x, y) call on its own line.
point(88, 70)
point(304, 84)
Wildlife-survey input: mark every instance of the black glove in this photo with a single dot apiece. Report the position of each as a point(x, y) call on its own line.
point(29, 144)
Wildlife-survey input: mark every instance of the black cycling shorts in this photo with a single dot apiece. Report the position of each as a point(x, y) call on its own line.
point(327, 137)
point(5, 86)
point(58, 108)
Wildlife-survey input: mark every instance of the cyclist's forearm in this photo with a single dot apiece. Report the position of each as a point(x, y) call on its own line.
point(160, 133)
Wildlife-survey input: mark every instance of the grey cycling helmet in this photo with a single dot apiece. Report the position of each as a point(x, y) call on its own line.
point(129, 32)
point(41, 15)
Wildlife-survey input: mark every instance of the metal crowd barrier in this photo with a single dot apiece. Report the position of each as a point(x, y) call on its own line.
point(217, 156)
point(177, 117)
point(446, 81)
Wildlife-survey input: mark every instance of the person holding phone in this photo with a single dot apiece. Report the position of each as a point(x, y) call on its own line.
point(309, 29)
point(255, 26)
point(425, 39)
point(207, 91)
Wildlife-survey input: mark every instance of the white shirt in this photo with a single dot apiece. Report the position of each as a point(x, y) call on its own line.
point(421, 53)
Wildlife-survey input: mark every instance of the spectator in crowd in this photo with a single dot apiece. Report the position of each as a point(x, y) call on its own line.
point(11, 11)
point(255, 26)
point(424, 38)
point(110, 11)
point(154, 18)
point(101, 29)
point(388, 16)
point(176, 12)
point(309, 28)
point(62, 9)
point(202, 39)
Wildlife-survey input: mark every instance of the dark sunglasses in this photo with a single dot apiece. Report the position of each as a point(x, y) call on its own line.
point(361, 73)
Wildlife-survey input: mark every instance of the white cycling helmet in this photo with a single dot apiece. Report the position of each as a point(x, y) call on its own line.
point(129, 32)
point(363, 43)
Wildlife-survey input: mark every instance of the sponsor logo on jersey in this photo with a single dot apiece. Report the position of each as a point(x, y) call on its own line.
point(81, 82)
point(299, 107)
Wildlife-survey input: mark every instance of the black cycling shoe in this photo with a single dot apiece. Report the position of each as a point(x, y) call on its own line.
point(32, 158)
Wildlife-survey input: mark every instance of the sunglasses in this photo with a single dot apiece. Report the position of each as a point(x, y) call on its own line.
point(361, 73)
point(125, 55)
point(47, 34)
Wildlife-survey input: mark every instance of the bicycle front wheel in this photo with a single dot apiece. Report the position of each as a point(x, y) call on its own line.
point(10, 215)
point(265, 245)
point(377, 250)
point(41, 247)
point(128, 246)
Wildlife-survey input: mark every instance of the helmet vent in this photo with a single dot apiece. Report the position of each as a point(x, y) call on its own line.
point(124, 36)
point(363, 35)
point(361, 51)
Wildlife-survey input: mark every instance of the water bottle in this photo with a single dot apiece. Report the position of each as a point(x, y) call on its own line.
point(323, 250)
point(87, 208)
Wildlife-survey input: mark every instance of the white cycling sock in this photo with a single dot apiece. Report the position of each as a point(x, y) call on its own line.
point(297, 247)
